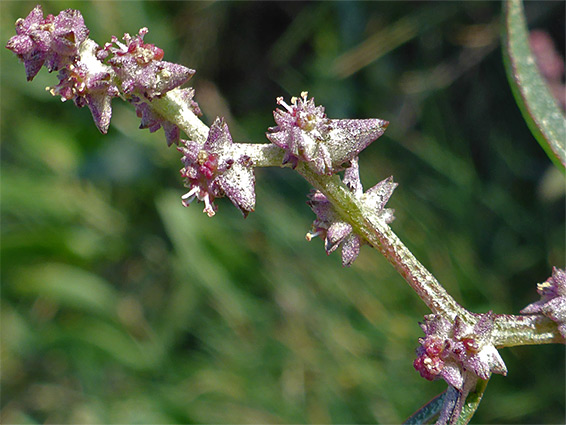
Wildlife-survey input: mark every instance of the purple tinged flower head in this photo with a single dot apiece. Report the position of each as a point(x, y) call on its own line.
point(50, 41)
point(458, 353)
point(215, 169)
point(306, 134)
point(452, 350)
point(140, 67)
point(300, 129)
point(88, 82)
point(552, 301)
point(336, 232)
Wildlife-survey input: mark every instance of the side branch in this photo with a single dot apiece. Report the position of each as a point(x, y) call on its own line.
point(375, 231)
point(175, 109)
point(533, 329)
point(380, 236)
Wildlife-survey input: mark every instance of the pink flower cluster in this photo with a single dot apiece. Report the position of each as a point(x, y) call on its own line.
point(92, 76)
point(458, 353)
point(306, 134)
point(214, 169)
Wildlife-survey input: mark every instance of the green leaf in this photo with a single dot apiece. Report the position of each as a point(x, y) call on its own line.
point(472, 402)
point(539, 108)
point(428, 412)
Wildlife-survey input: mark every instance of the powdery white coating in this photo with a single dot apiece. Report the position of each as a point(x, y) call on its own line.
point(182, 111)
point(347, 138)
point(331, 227)
point(154, 121)
point(87, 81)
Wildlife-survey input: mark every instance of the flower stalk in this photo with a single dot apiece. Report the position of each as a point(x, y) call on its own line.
point(375, 231)
point(509, 330)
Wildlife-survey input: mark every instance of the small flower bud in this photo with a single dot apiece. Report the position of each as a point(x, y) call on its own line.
point(88, 82)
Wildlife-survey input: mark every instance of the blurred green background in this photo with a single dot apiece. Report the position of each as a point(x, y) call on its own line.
point(121, 306)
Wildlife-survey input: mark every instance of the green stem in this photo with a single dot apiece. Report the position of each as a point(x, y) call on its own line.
point(509, 330)
point(262, 154)
point(532, 329)
point(173, 108)
point(378, 234)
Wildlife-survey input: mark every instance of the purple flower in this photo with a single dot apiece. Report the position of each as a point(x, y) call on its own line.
point(215, 169)
point(306, 134)
point(53, 41)
point(336, 232)
point(552, 301)
point(88, 82)
point(458, 353)
point(140, 68)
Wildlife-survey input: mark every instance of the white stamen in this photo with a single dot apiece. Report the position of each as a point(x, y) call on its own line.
point(309, 236)
point(121, 45)
point(190, 194)
point(281, 102)
point(208, 209)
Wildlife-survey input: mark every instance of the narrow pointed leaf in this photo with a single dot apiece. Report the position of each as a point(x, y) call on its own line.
point(540, 110)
